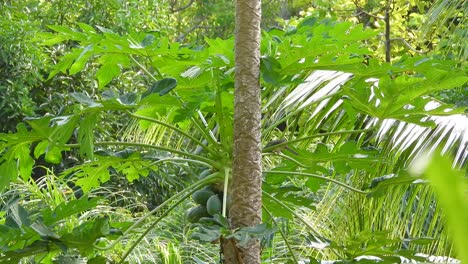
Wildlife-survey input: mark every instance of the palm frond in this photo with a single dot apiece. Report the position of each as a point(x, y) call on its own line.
point(406, 211)
point(322, 91)
point(450, 14)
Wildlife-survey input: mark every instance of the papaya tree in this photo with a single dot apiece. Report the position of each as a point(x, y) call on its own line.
point(246, 188)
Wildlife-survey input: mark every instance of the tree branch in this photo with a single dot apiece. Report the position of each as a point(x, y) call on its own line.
point(182, 8)
point(408, 45)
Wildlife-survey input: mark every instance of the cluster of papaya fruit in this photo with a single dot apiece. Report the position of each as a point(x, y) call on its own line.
point(209, 202)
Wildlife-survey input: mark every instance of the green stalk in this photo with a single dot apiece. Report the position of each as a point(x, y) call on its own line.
point(282, 234)
point(143, 68)
point(155, 222)
point(285, 157)
point(198, 142)
point(220, 113)
point(276, 146)
point(132, 144)
point(180, 160)
point(203, 129)
point(319, 177)
point(225, 190)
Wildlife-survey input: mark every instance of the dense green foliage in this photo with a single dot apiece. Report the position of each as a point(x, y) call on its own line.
point(130, 109)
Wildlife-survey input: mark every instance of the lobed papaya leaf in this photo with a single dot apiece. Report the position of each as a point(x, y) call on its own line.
point(85, 235)
point(111, 67)
point(92, 174)
point(292, 195)
point(67, 209)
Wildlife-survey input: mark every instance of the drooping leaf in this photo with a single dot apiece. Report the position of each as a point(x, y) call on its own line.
point(64, 126)
point(44, 231)
point(380, 186)
point(98, 260)
point(292, 195)
point(92, 174)
point(26, 162)
point(9, 173)
point(81, 60)
point(106, 73)
point(84, 99)
point(19, 216)
point(271, 70)
point(161, 87)
point(244, 234)
point(53, 155)
point(86, 135)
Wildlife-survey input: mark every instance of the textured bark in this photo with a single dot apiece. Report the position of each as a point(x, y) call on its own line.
point(245, 190)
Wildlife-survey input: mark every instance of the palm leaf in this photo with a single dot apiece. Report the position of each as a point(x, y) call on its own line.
point(323, 91)
point(451, 14)
point(321, 104)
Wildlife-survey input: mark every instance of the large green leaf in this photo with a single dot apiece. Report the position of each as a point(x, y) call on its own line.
point(92, 174)
point(67, 209)
point(86, 135)
point(451, 188)
point(85, 235)
point(111, 67)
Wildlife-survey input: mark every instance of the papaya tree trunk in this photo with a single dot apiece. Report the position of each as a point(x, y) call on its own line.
point(245, 189)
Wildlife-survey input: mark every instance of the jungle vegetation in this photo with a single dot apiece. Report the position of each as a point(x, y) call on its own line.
point(143, 132)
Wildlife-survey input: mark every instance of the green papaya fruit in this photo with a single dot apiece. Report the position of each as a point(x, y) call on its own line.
point(194, 214)
point(213, 205)
point(205, 173)
point(202, 196)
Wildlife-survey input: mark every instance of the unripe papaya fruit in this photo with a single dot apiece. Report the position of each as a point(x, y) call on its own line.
point(205, 173)
point(194, 214)
point(202, 196)
point(213, 205)
point(210, 188)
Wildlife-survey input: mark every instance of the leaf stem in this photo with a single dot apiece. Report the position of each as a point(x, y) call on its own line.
point(276, 146)
point(319, 177)
point(203, 127)
point(225, 190)
point(180, 160)
point(133, 144)
point(143, 68)
point(173, 128)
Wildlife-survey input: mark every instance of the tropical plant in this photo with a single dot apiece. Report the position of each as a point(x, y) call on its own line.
point(324, 135)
